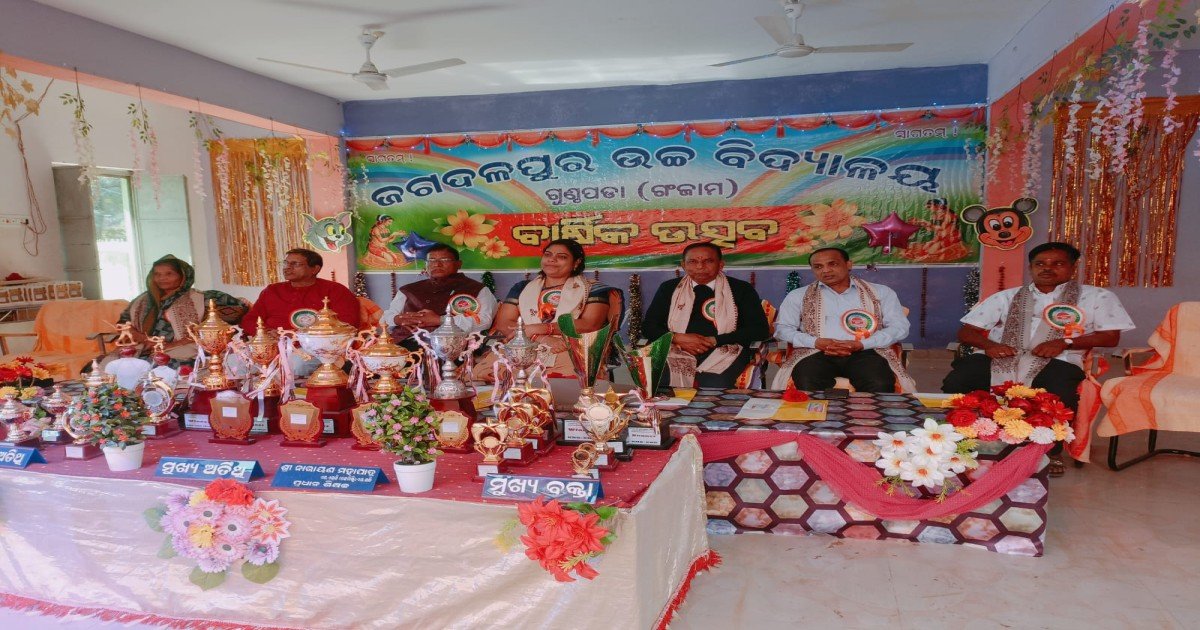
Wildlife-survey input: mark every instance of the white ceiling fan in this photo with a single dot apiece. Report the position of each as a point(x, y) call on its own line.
point(782, 28)
point(371, 76)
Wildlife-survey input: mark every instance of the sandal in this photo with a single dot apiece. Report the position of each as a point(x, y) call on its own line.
point(1056, 467)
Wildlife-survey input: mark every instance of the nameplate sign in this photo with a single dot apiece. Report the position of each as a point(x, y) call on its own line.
point(260, 425)
point(20, 456)
point(328, 477)
point(573, 431)
point(528, 488)
point(193, 468)
point(196, 421)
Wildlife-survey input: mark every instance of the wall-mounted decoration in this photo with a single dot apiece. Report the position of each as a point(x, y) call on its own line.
point(330, 234)
point(1003, 228)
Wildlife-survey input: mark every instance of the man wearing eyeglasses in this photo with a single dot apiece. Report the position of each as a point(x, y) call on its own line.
point(294, 303)
point(421, 304)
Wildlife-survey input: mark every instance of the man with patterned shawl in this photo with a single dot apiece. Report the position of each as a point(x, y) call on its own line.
point(842, 325)
point(1038, 334)
point(715, 319)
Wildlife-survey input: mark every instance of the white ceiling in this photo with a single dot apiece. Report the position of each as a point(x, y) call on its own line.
point(527, 45)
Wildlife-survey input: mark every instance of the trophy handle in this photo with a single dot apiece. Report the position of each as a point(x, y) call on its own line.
point(193, 331)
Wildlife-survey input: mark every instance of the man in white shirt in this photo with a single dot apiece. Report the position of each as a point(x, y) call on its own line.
point(422, 304)
point(1037, 334)
point(841, 325)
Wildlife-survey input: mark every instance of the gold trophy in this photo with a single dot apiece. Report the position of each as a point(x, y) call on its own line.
point(491, 440)
point(263, 388)
point(519, 418)
point(604, 421)
point(212, 336)
point(583, 459)
point(390, 362)
point(328, 339)
point(159, 399)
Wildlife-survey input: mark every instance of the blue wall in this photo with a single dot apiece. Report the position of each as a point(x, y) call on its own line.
point(844, 92)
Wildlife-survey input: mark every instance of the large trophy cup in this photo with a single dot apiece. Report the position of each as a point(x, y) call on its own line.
point(262, 386)
point(159, 398)
point(14, 414)
point(390, 362)
point(520, 378)
point(604, 421)
point(448, 344)
point(648, 428)
point(212, 336)
point(56, 405)
point(328, 339)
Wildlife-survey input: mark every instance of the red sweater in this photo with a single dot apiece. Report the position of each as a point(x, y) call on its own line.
point(281, 305)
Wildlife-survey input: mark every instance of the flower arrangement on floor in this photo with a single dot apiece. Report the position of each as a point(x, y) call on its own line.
point(406, 425)
point(108, 416)
point(23, 376)
point(562, 537)
point(218, 526)
point(926, 457)
point(1012, 413)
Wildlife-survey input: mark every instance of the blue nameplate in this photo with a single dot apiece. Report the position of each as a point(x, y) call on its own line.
point(20, 456)
point(328, 477)
point(528, 488)
point(190, 468)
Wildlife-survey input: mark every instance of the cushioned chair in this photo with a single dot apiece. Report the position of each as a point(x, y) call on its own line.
point(781, 351)
point(758, 365)
point(68, 334)
point(1161, 394)
point(369, 313)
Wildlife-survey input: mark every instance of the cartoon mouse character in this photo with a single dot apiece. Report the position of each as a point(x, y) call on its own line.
point(1002, 228)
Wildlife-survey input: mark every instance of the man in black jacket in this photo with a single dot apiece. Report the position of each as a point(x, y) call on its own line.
point(715, 320)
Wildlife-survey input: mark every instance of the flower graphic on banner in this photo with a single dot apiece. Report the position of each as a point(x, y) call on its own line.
point(831, 222)
point(802, 242)
point(218, 526)
point(494, 248)
point(467, 230)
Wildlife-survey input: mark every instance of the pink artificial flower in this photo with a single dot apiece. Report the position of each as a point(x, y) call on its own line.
point(259, 554)
point(234, 527)
point(210, 563)
point(272, 531)
point(264, 510)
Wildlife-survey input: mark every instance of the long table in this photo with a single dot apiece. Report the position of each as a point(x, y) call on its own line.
point(776, 491)
point(75, 541)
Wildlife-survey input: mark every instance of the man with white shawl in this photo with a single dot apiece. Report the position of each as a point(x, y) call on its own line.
point(843, 326)
point(715, 320)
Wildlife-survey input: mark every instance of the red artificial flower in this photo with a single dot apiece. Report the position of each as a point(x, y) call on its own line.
point(229, 491)
point(1000, 389)
point(1024, 404)
point(1058, 411)
point(1039, 419)
point(561, 540)
point(961, 417)
point(989, 407)
point(8, 375)
point(24, 359)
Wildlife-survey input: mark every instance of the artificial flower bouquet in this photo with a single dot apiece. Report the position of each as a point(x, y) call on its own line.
point(24, 377)
point(1012, 413)
point(925, 457)
point(109, 416)
point(404, 424)
point(218, 526)
point(562, 537)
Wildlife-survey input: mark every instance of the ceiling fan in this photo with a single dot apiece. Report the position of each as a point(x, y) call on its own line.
point(368, 74)
point(782, 28)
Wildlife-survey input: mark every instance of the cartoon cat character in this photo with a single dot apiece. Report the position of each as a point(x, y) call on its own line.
point(1001, 228)
point(330, 234)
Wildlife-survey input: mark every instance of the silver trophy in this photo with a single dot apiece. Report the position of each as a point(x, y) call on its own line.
point(14, 415)
point(56, 405)
point(448, 344)
point(520, 363)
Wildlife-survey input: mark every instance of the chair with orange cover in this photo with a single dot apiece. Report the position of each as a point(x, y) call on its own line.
point(1161, 394)
point(369, 313)
point(68, 334)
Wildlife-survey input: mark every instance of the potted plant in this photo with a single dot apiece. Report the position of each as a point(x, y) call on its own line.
point(111, 417)
point(404, 424)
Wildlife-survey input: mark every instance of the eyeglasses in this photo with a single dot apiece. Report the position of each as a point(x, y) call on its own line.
point(440, 261)
point(293, 265)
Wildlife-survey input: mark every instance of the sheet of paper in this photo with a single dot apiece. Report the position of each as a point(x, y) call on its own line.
point(809, 411)
point(682, 397)
point(760, 408)
point(933, 400)
point(483, 397)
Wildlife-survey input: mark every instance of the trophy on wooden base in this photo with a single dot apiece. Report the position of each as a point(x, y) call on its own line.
point(390, 362)
point(589, 355)
point(14, 414)
point(81, 448)
point(212, 336)
point(262, 386)
point(230, 419)
point(56, 405)
point(328, 339)
point(363, 441)
point(604, 422)
point(519, 418)
point(491, 440)
point(520, 377)
point(454, 432)
point(159, 398)
point(583, 459)
point(446, 345)
point(300, 422)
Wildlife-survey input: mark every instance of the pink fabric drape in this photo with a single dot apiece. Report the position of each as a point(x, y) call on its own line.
point(858, 483)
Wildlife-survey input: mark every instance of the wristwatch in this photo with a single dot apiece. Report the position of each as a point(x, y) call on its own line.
point(1069, 341)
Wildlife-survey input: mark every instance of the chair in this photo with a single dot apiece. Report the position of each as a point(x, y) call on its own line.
point(779, 353)
point(1161, 394)
point(369, 313)
point(758, 365)
point(67, 334)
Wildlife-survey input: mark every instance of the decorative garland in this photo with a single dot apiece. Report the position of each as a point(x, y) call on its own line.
point(141, 130)
point(219, 526)
point(81, 131)
point(635, 307)
point(970, 299)
point(488, 280)
point(17, 102)
point(360, 284)
point(793, 281)
point(924, 298)
point(205, 130)
point(395, 287)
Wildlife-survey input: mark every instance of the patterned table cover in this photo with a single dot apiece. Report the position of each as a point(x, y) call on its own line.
point(776, 491)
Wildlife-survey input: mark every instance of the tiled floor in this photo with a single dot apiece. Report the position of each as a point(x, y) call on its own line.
point(1123, 551)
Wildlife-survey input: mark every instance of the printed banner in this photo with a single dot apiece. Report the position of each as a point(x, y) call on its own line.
point(769, 194)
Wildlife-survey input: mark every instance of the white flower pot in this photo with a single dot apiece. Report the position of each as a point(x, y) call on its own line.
point(414, 478)
point(123, 459)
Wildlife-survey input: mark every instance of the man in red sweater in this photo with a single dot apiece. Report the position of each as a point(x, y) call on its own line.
point(294, 303)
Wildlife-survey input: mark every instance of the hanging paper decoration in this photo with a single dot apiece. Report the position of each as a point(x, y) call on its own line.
point(489, 281)
point(395, 287)
point(360, 284)
point(330, 234)
point(1004, 228)
point(635, 307)
point(219, 527)
point(793, 281)
point(924, 297)
point(890, 232)
point(81, 131)
point(414, 247)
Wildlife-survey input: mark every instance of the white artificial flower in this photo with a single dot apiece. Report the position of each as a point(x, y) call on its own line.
point(891, 464)
point(892, 443)
point(922, 473)
point(957, 463)
point(1042, 435)
point(938, 438)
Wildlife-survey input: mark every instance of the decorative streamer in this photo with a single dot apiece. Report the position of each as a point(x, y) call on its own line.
point(1000, 282)
point(793, 281)
point(635, 307)
point(753, 279)
point(360, 284)
point(488, 281)
point(395, 287)
point(924, 297)
point(970, 299)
